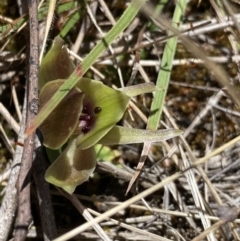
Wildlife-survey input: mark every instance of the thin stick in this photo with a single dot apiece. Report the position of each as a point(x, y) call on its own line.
point(7, 116)
point(16, 103)
point(24, 212)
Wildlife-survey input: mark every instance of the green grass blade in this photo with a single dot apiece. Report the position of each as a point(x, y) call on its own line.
point(70, 23)
point(162, 84)
point(65, 6)
point(51, 8)
point(165, 70)
point(122, 23)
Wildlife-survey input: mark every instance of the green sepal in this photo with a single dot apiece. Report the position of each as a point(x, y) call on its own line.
point(73, 167)
point(61, 123)
point(56, 64)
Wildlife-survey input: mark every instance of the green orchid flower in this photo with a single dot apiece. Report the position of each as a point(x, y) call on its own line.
point(86, 116)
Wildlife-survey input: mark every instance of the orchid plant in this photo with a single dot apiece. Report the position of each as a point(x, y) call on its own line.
point(86, 116)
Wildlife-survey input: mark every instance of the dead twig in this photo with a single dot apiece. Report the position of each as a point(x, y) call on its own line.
point(24, 212)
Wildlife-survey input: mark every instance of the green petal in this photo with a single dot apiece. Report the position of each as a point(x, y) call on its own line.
point(61, 123)
point(73, 167)
point(56, 64)
point(122, 135)
point(113, 104)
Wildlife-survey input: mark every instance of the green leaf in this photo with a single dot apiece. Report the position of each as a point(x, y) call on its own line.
point(112, 103)
point(122, 135)
point(61, 123)
point(73, 167)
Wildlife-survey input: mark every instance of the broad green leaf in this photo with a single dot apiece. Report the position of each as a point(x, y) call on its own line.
point(112, 104)
point(122, 135)
point(73, 167)
point(61, 123)
point(56, 64)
